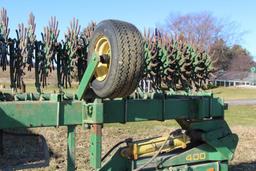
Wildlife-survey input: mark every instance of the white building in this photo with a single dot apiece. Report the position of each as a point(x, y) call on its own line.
point(236, 78)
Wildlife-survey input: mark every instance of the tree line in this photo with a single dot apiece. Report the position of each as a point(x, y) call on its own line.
point(220, 38)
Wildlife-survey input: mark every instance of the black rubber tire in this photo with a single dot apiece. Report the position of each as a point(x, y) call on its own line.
point(127, 60)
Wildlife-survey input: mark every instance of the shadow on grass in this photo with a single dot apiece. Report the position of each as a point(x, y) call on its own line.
point(250, 166)
point(23, 149)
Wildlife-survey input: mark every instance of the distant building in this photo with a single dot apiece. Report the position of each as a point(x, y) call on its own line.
point(235, 78)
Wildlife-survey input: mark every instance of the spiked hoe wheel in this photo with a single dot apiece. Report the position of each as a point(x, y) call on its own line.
point(120, 48)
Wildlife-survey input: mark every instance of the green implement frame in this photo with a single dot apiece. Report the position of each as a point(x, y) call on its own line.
point(202, 116)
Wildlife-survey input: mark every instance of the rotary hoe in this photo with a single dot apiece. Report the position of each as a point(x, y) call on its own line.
point(121, 76)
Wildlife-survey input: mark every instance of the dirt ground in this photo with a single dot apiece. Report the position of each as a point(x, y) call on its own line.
point(245, 156)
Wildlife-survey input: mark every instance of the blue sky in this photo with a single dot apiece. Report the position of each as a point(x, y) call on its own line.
point(142, 13)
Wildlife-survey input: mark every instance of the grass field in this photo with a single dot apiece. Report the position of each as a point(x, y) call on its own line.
point(231, 93)
point(241, 115)
point(227, 93)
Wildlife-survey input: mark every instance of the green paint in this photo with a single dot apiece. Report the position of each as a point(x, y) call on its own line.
point(171, 107)
point(95, 146)
point(87, 76)
point(93, 112)
point(60, 110)
point(71, 149)
point(40, 113)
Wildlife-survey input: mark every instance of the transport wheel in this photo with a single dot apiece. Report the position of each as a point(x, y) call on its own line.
point(120, 47)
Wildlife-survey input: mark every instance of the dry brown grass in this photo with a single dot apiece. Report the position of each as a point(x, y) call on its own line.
point(245, 156)
point(240, 118)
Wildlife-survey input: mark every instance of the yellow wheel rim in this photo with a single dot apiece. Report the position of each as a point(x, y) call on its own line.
point(103, 48)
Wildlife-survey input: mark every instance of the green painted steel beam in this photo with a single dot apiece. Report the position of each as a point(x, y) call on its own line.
point(71, 148)
point(40, 113)
point(93, 112)
point(71, 112)
point(95, 146)
point(87, 76)
point(56, 111)
point(162, 109)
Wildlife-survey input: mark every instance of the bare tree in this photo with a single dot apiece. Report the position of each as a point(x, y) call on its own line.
point(214, 35)
point(202, 29)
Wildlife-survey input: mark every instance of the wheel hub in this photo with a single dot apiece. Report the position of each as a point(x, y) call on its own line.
point(103, 49)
